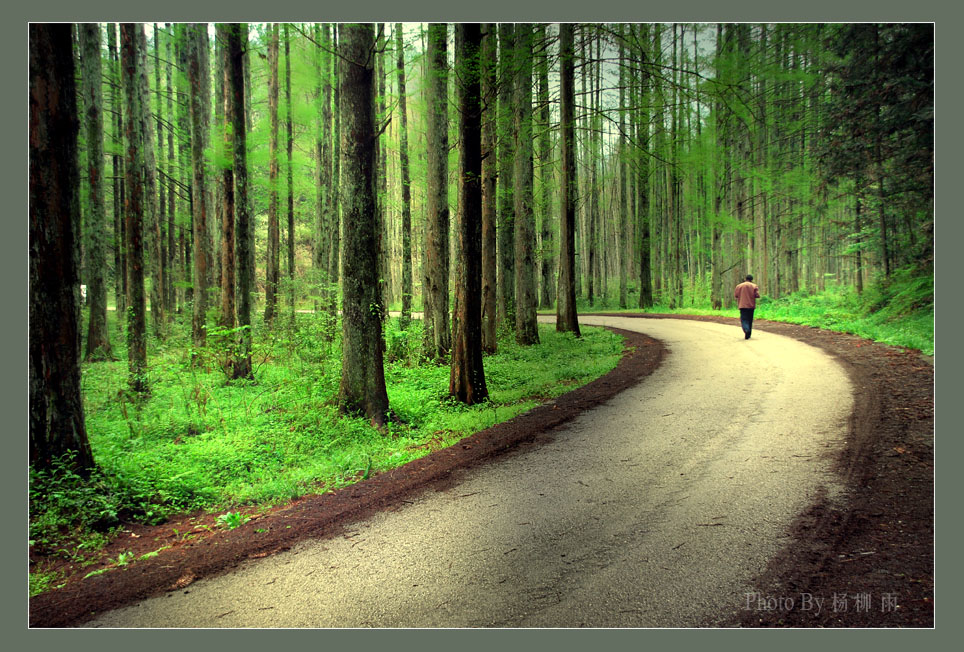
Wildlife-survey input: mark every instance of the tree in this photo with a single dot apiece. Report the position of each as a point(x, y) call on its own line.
point(435, 286)
point(131, 61)
point(291, 194)
point(228, 317)
point(566, 319)
point(505, 297)
point(98, 343)
point(117, 171)
point(57, 425)
point(272, 267)
point(526, 326)
point(152, 220)
point(235, 86)
point(406, 191)
point(467, 377)
point(545, 175)
point(199, 101)
point(362, 375)
point(334, 224)
point(489, 198)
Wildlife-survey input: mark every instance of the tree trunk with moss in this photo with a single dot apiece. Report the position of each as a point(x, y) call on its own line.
point(56, 408)
point(362, 375)
point(98, 343)
point(435, 285)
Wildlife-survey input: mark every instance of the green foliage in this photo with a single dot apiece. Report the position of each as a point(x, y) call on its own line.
point(898, 311)
point(69, 512)
point(232, 520)
point(200, 442)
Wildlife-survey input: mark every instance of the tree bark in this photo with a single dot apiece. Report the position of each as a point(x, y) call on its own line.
point(467, 377)
point(489, 166)
point(272, 266)
point(235, 85)
point(526, 326)
point(98, 343)
point(228, 310)
point(362, 375)
point(505, 313)
point(197, 72)
point(406, 191)
point(117, 169)
point(131, 61)
point(546, 177)
point(290, 179)
point(566, 318)
point(438, 339)
point(334, 225)
point(57, 425)
point(152, 220)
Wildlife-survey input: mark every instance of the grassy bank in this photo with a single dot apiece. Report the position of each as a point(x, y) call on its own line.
point(199, 442)
point(899, 312)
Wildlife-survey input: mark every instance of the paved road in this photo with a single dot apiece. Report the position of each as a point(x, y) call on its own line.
point(655, 509)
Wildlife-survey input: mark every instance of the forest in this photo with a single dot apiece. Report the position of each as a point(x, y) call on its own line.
point(268, 259)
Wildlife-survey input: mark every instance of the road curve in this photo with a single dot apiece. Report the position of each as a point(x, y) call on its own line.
point(655, 509)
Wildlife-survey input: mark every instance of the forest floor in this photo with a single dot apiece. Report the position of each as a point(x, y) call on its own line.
point(871, 561)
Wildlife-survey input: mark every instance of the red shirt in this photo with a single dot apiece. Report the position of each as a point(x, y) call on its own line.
point(747, 293)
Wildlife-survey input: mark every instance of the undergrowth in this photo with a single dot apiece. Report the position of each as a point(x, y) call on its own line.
point(200, 442)
point(898, 311)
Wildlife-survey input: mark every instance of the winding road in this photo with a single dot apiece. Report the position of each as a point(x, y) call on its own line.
point(656, 509)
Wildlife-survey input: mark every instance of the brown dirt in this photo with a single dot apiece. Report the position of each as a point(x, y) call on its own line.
point(888, 463)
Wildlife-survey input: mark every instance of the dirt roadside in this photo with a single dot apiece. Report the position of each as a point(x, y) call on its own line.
point(888, 461)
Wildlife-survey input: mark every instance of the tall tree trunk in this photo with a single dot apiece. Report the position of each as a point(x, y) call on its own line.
point(236, 111)
point(566, 319)
point(131, 62)
point(362, 375)
point(546, 247)
point(334, 225)
point(435, 292)
point(624, 249)
point(642, 184)
point(406, 191)
point(152, 221)
point(505, 297)
point(117, 170)
point(98, 343)
point(228, 317)
point(467, 377)
point(197, 74)
point(163, 185)
point(489, 199)
point(56, 408)
point(290, 179)
point(272, 266)
point(158, 121)
point(183, 39)
point(170, 299)
point(526, 326)
point(381, 159)
point(592, 237)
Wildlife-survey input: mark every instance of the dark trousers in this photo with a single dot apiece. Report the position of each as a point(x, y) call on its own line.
point(746, 320)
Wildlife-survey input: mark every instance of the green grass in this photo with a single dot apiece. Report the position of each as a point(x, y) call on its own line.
point(898, 312)
point(198, 442)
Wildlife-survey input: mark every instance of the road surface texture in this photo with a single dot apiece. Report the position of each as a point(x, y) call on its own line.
point(655, 509)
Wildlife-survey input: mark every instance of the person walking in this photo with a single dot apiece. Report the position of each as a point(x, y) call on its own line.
point(747, 293)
